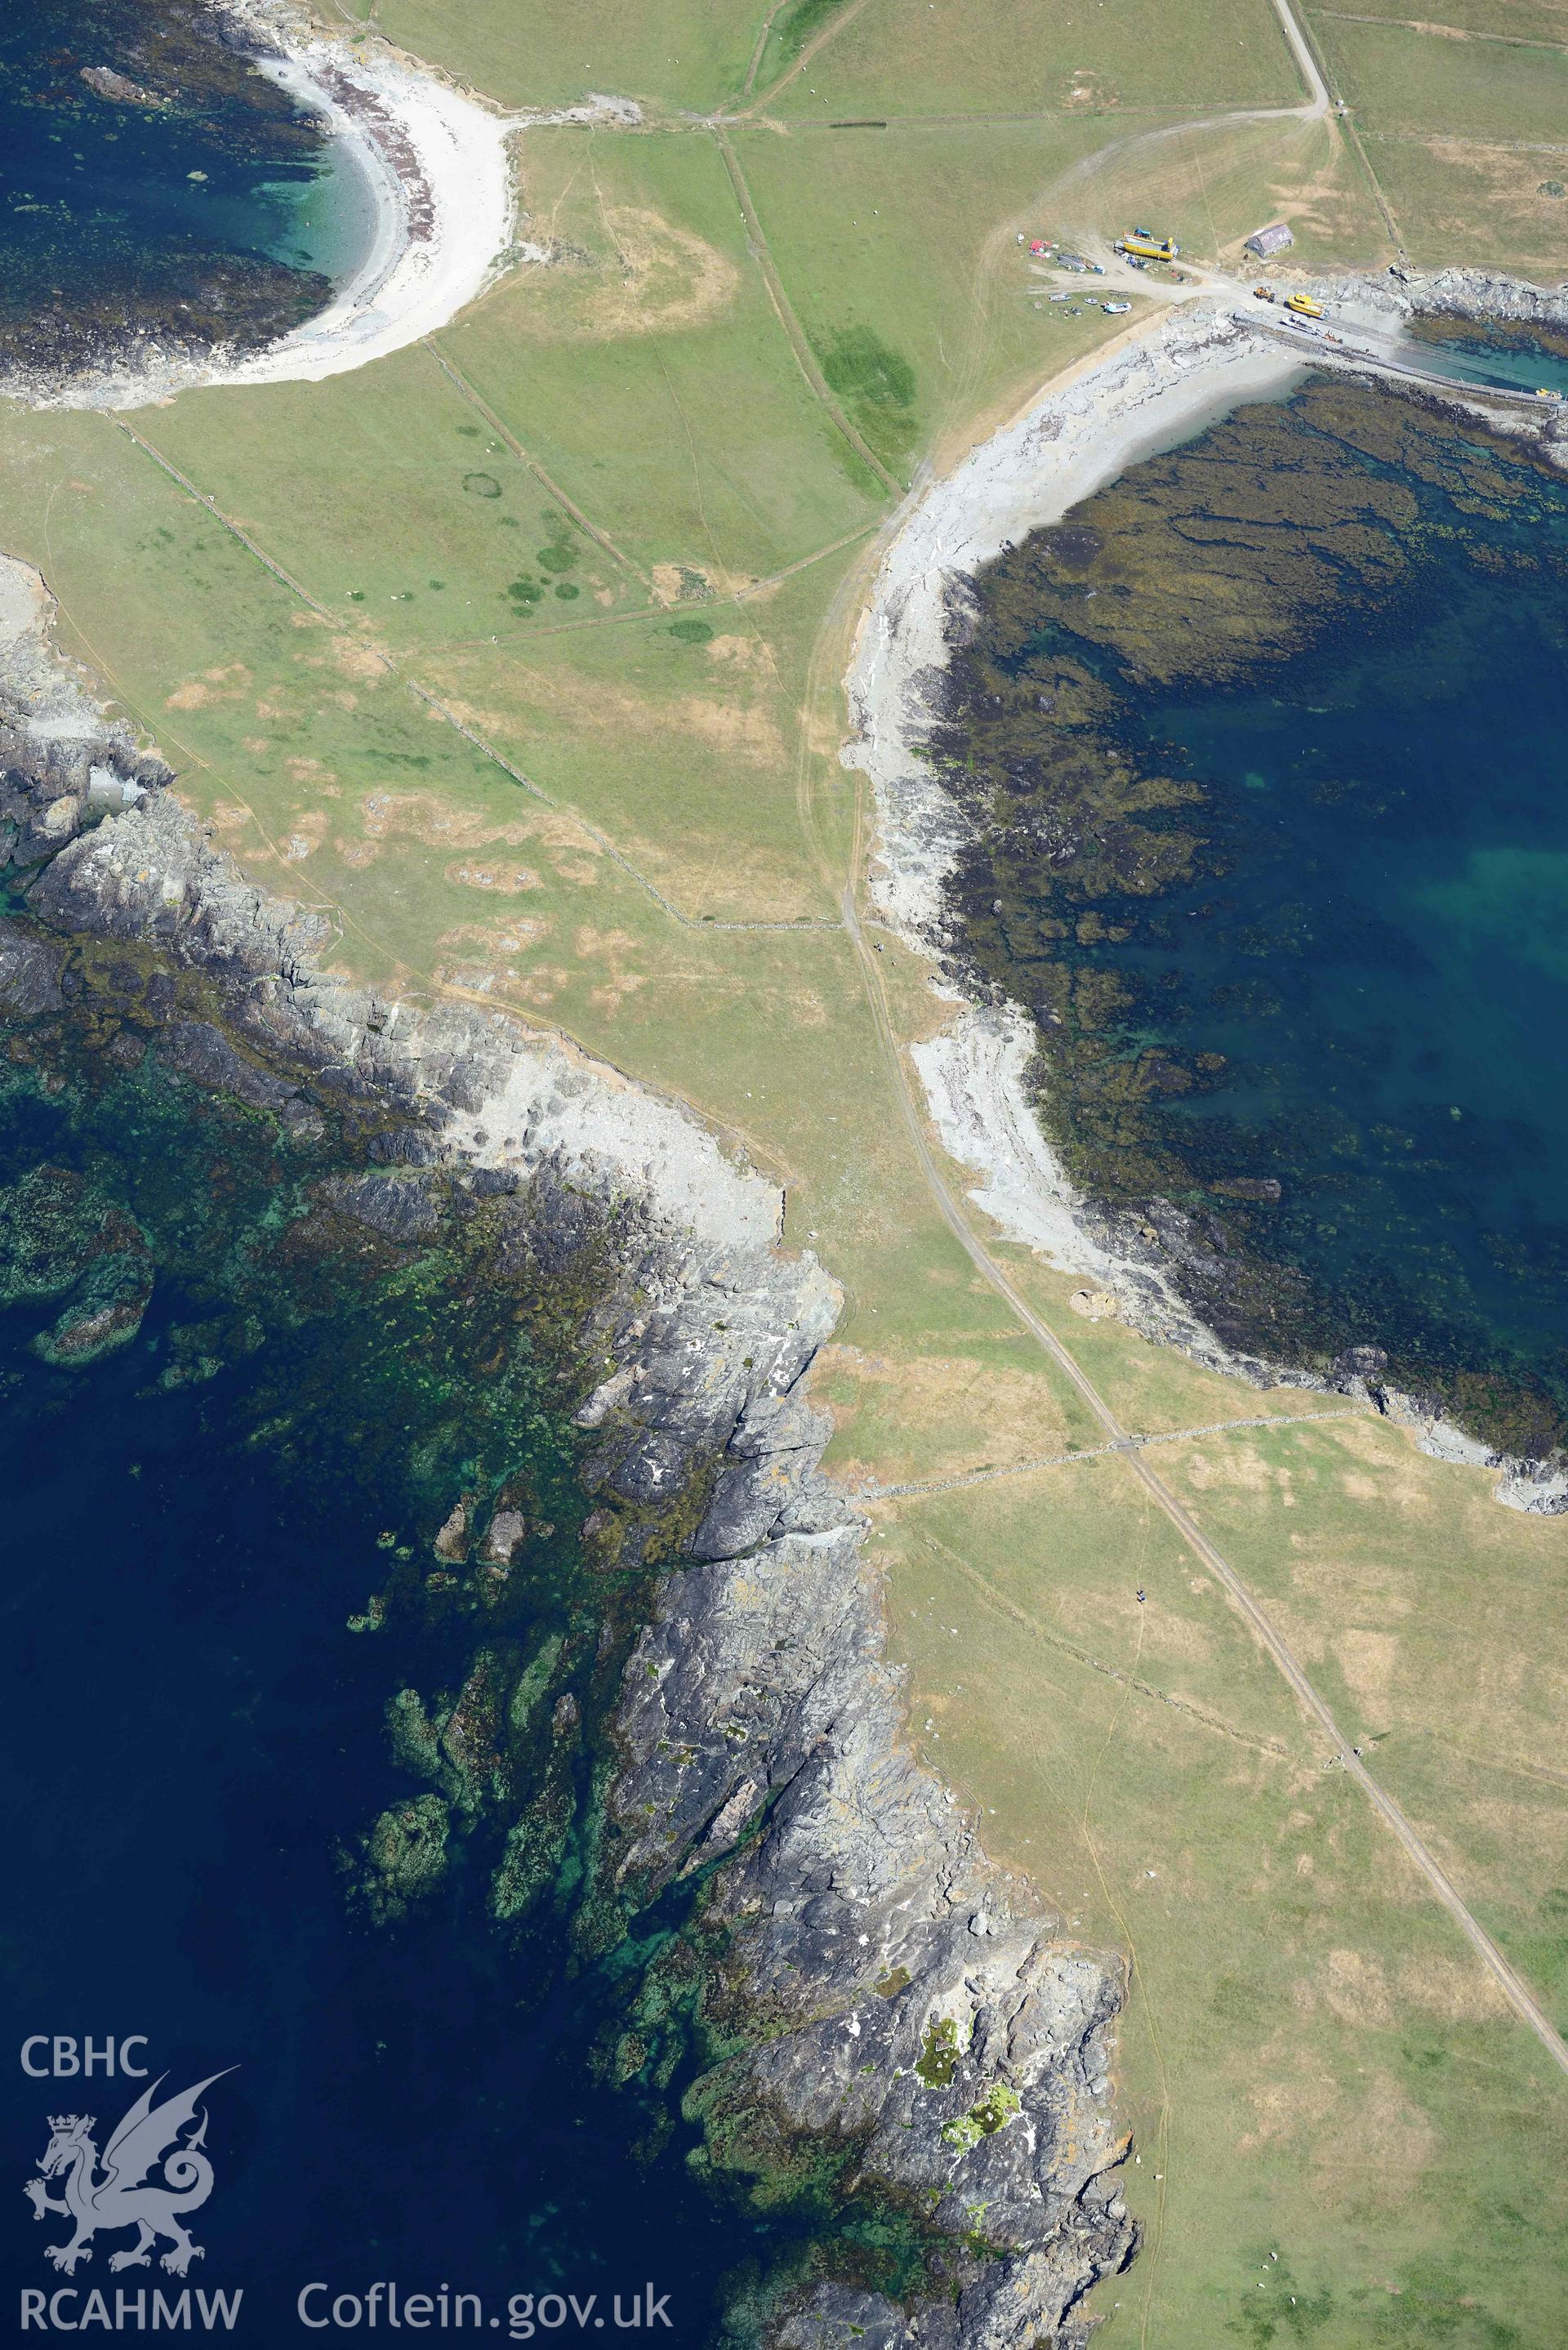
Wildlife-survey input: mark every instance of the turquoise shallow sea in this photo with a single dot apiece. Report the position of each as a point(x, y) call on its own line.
point(152, 179)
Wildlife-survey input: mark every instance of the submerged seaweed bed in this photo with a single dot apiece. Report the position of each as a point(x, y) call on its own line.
point(310, 1643)
point(1262, 754)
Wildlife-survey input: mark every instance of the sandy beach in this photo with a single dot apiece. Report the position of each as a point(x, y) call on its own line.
point(437, 163)
point(1146, 393)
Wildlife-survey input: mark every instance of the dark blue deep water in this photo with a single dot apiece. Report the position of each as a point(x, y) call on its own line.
point(153, 181)
point(1384, 963)
point(194, 1739)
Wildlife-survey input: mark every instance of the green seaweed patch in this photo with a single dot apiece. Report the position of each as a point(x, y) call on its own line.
point(428, 1342)
point(402, 1860)
point(993, 2112)
point(939, 2051)
point(1528, 337)
point(895, 1980)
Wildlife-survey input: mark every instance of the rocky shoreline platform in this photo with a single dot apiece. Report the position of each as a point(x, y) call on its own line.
point(879, 2005)
point(1186, 368)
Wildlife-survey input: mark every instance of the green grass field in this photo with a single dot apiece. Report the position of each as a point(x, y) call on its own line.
point(1328, 2103)
point(1463, 124)
point(520, 655)
point(1500, 20)
point(1019, 58)
point(1413, 83)
point(670, 54)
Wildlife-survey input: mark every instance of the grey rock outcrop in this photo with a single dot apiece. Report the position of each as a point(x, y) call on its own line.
point(921, 2010)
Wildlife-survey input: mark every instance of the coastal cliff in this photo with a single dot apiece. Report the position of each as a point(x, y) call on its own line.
point(872, 2011)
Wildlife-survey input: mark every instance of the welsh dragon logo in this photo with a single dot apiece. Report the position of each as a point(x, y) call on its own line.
point(123, 2197)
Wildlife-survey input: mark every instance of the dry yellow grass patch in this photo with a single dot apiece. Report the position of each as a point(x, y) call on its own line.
point(1466, 199)
point(1171, 1638)
point(1368, 1662)
point(1240, 1466)
point(1534, 1833)
point(652, 278)
point(1355, 1989)
point(1286, 2109)
point(1386, 2139)
point(608, 951)
point(748, 654)
point(214, 685)
point(1317, 187)
point(439, 823)
point(497, 963)
point(559, 840)
point(512, 935)
point(354, 658)
point(894, 1413)
point(583, 705)
point(1459, 1991)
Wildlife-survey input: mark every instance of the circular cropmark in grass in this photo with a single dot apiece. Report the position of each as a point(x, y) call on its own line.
point(690, 632)
point(566, 589)
point(482, 485)
point(526, 591)
point(555, 559)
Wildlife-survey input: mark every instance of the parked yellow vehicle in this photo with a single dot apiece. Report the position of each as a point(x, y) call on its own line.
point(1147, 247)
point(1304, 306)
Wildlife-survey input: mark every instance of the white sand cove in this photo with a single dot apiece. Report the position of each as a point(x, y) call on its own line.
point(438, 162)
point(436, 159)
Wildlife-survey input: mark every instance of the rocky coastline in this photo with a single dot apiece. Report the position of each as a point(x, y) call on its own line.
point(1191, 366)
point(877, 2008)
point(1481, 294)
